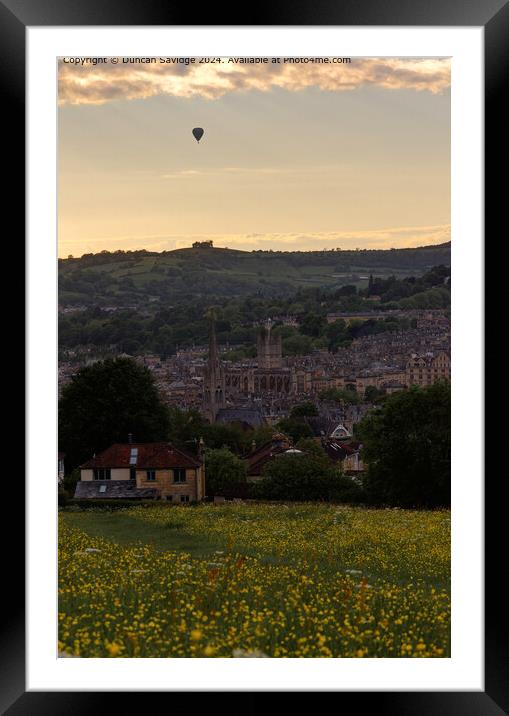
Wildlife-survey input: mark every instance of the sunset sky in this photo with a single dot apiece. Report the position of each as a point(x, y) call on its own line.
point(293, 156)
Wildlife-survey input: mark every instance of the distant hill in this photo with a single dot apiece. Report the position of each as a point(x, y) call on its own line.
point(143, 277)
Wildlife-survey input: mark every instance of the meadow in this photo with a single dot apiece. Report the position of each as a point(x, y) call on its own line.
point(254, 580)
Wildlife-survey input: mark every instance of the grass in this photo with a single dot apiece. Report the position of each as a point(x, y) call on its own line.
point(120, 528)
point(283, 272)
point(300, 580)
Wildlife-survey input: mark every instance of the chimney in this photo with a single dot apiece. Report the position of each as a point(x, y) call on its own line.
point(130, 438)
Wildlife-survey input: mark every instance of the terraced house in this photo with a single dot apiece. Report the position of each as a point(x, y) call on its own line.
point(142, 471)
point(427, 369)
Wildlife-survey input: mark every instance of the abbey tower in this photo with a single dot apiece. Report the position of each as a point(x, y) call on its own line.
point(269, 348)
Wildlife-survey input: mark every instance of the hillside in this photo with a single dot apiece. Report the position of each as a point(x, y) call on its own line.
point(139, 277)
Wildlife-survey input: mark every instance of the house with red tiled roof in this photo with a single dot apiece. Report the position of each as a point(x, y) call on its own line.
point(256, 460)
point(142, 471)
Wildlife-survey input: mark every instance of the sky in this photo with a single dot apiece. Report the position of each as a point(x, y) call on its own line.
point(294, 156)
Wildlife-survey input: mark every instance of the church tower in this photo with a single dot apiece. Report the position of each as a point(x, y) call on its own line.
point(269, 348)
point(214, 379)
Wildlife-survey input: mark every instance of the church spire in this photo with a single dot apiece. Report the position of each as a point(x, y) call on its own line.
point(213, 352)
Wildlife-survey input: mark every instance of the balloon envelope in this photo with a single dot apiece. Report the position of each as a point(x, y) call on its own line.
point(197, 133)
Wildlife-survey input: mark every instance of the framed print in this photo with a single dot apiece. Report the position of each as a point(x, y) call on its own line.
point(247, 348)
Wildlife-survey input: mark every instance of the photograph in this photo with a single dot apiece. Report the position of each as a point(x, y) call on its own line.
point(254, 357)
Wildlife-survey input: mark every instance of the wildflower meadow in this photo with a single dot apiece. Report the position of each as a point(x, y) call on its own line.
point(254, 580)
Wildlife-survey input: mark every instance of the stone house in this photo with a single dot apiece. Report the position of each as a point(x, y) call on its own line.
point(347, 454)
point(429, 368)
point(142, 471)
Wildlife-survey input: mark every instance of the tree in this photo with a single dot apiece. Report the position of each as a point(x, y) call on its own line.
point(105, 402)
point(372, 393)
point(297, 345)
point(347, 290)
point(227, 435)
point(407, 447)
point(313, 447)
point(295, 428)
point(303, 409)
point(223, 471)
point(312, 325)
point(186, 428)
point(337, 334)
point(347, 395)
point(298, 476)
point(260, 435)
point(67, 487)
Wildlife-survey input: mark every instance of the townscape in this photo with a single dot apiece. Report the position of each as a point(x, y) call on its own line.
point(271, 383)
point(252, 393)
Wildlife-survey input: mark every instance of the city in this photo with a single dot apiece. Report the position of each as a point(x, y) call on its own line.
point(269, 385)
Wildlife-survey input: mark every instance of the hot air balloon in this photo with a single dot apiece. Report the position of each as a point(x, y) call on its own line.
point(198, 133)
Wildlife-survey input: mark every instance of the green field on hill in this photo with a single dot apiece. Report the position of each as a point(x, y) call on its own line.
point(141, 275)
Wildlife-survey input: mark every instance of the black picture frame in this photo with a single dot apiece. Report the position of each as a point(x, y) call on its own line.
point(15, 17)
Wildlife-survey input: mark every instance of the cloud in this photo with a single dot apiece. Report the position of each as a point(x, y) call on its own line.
point(398, 237)
point(252, 171)
point(101, 83)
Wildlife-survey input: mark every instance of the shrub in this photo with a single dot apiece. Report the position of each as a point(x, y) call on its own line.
point(305, 477)
point(224, 471)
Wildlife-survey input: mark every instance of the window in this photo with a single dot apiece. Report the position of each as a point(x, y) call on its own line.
point(102, 488)
point(179, 475)
point(184, 498)
point(134, 456)
point(151, 475)
point(102, 473)
point(132, 473)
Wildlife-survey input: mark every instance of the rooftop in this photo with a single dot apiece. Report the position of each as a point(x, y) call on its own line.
point(142, 456)
point(118, 489)
point(249, 416)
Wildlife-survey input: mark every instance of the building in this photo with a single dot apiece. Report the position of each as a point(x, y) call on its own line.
point(258, 458)
point(429, 368)
point(268, 374)
point(347, 454)
point(343, 451)
point(142, 471)
point(247, 418)
point(356, 316)
point(392, 386)
point(226, 385)
point(214, 378)
point(273, 383)
point(269, 348)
